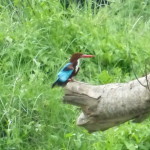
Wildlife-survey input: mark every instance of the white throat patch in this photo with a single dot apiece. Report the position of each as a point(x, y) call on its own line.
point(78, 64)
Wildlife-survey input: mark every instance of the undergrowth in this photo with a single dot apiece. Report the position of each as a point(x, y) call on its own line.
point(36, 39)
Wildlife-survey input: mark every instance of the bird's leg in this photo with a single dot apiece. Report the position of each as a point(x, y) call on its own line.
point(75, 73)
point(70, 80)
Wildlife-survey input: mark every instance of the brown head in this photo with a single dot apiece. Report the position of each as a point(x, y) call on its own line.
point(76, 56)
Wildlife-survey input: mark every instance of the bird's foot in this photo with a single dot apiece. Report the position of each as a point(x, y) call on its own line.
point(71, 80)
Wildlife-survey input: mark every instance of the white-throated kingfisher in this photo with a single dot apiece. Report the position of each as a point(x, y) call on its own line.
point(69, 70)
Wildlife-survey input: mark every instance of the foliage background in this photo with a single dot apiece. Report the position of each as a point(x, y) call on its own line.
point(36, 38)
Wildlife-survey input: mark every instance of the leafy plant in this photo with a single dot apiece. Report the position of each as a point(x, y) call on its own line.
point(36, 39)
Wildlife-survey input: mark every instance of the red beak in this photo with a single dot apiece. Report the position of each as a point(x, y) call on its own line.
point(87, 56)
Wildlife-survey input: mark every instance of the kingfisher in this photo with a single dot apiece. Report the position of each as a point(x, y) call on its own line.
point(70, 69)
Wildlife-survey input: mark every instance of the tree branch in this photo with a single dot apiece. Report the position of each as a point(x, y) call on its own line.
point(105, 106)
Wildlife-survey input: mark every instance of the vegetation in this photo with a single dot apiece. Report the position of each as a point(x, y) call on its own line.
point(36, 39)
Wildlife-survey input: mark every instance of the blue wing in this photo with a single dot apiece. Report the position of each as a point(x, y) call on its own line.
point(65, 73)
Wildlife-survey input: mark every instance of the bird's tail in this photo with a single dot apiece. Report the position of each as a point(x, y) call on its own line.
point(58, 83)
point(55, 83)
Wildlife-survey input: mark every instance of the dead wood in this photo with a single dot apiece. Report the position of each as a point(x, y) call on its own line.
point(105, 106)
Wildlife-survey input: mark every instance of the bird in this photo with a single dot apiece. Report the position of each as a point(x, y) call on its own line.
point(70, 69)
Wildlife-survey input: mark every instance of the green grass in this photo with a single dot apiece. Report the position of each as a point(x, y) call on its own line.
point(36, 39)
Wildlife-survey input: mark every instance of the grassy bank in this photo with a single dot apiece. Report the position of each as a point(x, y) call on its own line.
point(36, 39)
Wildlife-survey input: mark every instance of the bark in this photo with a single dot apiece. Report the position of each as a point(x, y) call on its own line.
point(105, 106)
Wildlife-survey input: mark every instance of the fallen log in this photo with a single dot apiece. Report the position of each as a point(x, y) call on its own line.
point(106, 106)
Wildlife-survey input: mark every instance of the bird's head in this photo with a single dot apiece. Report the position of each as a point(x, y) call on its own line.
point(77, 56)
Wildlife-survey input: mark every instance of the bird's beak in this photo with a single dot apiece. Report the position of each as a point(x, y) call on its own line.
point(87, 56)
